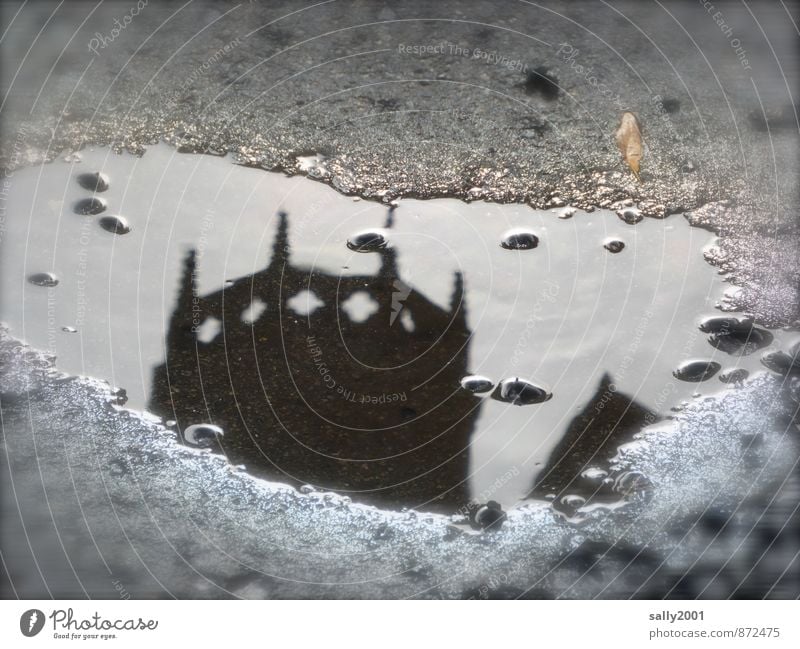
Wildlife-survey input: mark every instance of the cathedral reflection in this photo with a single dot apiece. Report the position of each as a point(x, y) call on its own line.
point(361, 395)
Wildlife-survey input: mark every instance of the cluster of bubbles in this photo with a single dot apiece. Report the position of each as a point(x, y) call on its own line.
point(514, 239)
point(202, 435)
point(516, 391)
point(97, 183)
point(737, 336)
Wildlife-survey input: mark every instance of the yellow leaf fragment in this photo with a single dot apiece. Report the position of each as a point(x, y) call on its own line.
point(629, 141)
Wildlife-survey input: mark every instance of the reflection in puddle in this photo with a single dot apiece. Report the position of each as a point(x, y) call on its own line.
point(340, 403)
point(420, 358)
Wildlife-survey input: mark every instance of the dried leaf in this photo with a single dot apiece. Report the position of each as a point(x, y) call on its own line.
point(629, 141)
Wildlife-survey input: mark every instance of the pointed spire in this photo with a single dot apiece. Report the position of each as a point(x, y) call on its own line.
point(187, 305)
point(458, 302)
point(390, 217)
point(280, 247)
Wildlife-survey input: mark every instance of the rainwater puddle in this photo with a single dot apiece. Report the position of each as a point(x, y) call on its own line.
point(424, 355)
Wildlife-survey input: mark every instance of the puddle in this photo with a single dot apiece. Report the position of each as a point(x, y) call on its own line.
point(426, 355)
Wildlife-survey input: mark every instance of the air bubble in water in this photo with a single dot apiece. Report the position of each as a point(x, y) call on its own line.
point(630, 215)
point(94, 182)
point(69, 330)
point(202, 435)
point(519, 239)
point(735, 336)
point(613, 245)
point(490, 516)
point(520, 392)
point(696, 371)
point(90, 206)
point(781, 362)
point(723, 324)
point(631, 483)
point(114, 224)
point(477, 384)
point(595, 474)
point(43, 279)
point(573, 501)
point(368, 241)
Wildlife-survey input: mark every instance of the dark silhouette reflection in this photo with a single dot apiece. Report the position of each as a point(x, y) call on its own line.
point(609, 420)
point(367, 405)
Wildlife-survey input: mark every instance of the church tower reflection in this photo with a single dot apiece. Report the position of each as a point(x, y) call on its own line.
point(364, 402)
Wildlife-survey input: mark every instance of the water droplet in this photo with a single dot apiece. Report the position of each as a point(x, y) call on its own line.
point(95, 182)
point(69, 330)
point(90, 206)
point(306, 489)
point(781, 362)
point(170, 423)
point(114, 224)
point(202, 435)
point(520, 392)
point(723, 324)
point(696, 371)
point(368, 241)
point(595, 474)
point(613, 245)
point(736, 375)
point(519, 239)
point(629, 483)
point(43, 279)
point(735, 335)
point(490, 516)
point(477, 384)
point(630, 215)
point(573, 501)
